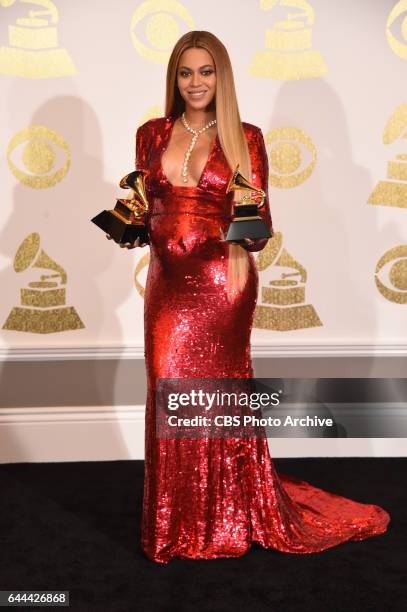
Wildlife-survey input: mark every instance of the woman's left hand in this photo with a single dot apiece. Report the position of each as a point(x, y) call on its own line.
point(246, 243)
point(132, 245)
point(252, 245)
point(243, 242)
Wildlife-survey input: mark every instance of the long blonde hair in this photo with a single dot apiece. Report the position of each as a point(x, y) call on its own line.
point(230, 130)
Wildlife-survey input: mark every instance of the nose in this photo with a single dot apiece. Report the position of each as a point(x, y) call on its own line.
point(196, 79)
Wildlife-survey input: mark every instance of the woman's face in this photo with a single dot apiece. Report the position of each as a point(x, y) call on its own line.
point(196, 78)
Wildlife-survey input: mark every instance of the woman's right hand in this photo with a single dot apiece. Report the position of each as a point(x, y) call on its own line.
point(128, 245)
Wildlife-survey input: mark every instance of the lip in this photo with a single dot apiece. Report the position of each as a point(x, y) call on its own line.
point(199, 92)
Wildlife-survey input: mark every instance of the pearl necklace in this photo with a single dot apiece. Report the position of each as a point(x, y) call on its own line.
point(193, 141)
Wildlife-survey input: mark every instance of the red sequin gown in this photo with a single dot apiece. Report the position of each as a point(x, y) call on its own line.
point(208, 498)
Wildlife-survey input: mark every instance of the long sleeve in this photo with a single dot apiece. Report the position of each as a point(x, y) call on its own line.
point(260, 178)
point(143, 152)
point(141, 148)
point(142, 161)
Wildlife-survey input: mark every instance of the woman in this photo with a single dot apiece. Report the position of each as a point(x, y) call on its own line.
point(212, 497)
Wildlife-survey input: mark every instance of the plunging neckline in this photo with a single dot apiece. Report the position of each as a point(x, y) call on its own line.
point(164, 148)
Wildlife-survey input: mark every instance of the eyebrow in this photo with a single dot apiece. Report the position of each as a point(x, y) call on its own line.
point(205, 66)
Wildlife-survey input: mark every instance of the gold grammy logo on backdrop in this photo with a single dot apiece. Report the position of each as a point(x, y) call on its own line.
point(283, 306)
point(289, 54)
point(42, 309)
point(161, 30)
point(33, 50)
point(286, 157)
point(399, 48)
point(393, 190)
point(396, 273)
point(39, 156)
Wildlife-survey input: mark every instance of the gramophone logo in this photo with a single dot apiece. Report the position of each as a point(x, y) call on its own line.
point(393, 190)
point(282, 306)
point(33, 51)
point(42, 150)
point(164, 22)
point(399, 47)
point(393, 265)
point(289, 54)
point(43, 308)
point(290, 148)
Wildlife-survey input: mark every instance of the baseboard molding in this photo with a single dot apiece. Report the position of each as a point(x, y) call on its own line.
point(95, 433)
point(71, 433)
point(136, 351)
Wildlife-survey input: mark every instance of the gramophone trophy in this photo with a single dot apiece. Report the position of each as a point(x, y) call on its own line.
point(246, 222)
point(126, 223)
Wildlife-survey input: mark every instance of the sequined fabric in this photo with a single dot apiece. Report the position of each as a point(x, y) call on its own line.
point(209, 498)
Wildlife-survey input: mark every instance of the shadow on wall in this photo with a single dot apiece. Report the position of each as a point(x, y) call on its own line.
point(331, 230)
point(99, 273)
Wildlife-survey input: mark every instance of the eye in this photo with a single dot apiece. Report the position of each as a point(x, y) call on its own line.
point(292, 157)
point(156, 26)
point(391, 274)
point(396, 29)
point(207, 72)
point(38, 157)
point(184, 74)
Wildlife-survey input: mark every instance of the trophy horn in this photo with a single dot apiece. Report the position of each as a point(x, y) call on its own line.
point(29, 254)
point(287, 260)
point(45, 261)
point(136, 181)
point(238, 181)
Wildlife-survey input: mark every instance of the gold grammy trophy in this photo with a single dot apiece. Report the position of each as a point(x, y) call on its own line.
point(126, 222)
point(246, 221)
point(283, 306)
point(42, 307)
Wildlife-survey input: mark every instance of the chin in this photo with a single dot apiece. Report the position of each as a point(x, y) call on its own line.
point(198, 105)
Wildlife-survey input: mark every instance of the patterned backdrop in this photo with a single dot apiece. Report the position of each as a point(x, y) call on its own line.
point(325, 80)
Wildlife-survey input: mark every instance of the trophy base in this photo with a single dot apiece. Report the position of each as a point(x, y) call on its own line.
point(43, 321)
point(286, 319)
point(273, 64)
point(119, 230)
point(36, 64)
point(248, 228)
point(389, 193)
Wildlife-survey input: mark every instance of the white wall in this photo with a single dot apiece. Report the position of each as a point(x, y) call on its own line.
point(324, 81)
